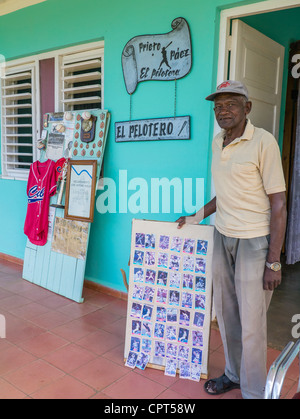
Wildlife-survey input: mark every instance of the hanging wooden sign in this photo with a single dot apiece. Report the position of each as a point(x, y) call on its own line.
point(158, 57)
point(177, 128)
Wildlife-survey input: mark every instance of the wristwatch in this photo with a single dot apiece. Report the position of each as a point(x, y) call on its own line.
point(275, 266)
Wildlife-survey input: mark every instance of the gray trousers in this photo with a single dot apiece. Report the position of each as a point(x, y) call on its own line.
point(241, 305)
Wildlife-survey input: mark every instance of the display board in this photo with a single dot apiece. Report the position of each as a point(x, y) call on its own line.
point(59, 265)
point(169, 298)
point(90, 135)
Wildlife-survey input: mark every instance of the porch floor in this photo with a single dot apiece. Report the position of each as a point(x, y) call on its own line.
point(58, 349)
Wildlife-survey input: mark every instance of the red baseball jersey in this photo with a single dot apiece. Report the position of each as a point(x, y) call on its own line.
point(41, 185)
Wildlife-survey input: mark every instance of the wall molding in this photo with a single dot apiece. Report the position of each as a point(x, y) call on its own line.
point(87, 283)
point(11, 259)
point(105, 290)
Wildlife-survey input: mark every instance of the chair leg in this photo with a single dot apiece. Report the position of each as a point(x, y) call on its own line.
point(283, 368)
point(274, 369)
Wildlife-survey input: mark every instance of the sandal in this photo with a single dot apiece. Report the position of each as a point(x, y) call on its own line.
point(219, 385)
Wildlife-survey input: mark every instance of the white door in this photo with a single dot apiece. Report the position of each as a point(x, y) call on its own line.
point(257, 61)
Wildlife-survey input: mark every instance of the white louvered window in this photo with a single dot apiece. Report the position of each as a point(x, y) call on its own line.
point(18, 117)
point(77, 84)
point(81, 79)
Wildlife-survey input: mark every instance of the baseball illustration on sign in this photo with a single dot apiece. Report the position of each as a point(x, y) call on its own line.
point(158, 57)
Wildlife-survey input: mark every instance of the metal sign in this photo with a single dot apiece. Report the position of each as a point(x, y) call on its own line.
point(158, 57)
point(153, 129)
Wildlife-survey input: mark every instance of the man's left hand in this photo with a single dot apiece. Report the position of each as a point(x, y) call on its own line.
point(271, 279)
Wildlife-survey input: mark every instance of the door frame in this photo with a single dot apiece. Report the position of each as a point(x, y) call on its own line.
point(226, 16)
point(251, 9)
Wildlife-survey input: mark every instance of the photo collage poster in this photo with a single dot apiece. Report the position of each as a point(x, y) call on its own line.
point(169, 298)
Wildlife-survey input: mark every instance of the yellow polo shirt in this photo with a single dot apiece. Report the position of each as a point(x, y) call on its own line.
point(245, 172)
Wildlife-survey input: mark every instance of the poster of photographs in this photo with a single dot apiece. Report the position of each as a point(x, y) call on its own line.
point(169, 300)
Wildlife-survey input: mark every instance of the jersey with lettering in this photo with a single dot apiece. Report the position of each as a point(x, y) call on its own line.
point(40, 186)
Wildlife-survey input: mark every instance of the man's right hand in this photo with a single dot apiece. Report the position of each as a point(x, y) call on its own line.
point(193, 219)
point(199, 216)
point(181, 221)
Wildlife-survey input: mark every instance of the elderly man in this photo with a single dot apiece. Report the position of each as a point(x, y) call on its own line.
point(249, 232)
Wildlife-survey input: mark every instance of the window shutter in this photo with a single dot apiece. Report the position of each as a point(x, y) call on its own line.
point(18, 110)
point(81, 80)
point(77, 79)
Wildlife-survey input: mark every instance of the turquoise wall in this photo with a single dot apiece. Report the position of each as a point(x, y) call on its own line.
point(61, 23)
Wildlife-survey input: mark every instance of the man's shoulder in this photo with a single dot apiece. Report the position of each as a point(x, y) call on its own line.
point(263, 136)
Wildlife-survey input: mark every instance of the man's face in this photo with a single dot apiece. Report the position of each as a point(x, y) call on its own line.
point(231, 110)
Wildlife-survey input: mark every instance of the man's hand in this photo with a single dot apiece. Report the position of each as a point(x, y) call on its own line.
point(271, 279)
point(277, 232)
point(199, 216)
point(190, 219)
point(181, 221)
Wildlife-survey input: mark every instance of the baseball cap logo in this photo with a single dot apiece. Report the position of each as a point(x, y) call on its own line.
point(230, 86)
point(223, 85)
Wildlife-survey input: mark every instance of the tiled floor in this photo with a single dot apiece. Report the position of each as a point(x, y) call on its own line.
point(56, 348)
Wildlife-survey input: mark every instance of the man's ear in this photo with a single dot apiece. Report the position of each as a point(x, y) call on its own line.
point(248, 107)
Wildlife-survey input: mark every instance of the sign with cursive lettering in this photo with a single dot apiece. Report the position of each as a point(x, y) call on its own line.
point(158, 57)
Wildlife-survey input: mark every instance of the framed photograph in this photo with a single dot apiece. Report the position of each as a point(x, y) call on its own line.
point(80, 190)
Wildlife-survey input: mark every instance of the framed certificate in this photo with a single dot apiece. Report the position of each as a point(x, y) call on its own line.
point(80, 190)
